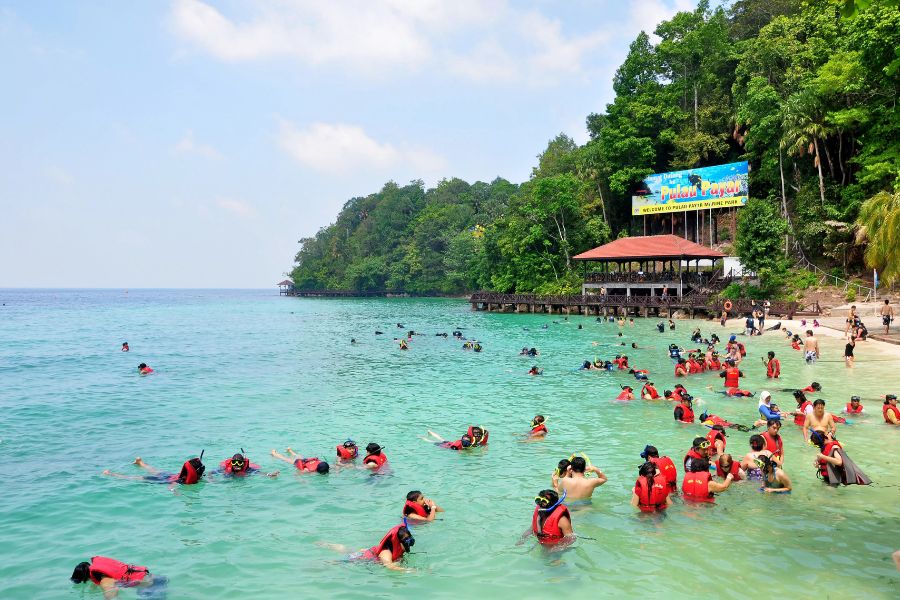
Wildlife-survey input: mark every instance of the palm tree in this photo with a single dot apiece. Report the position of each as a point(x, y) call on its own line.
point(804, 126)
point(879, 220)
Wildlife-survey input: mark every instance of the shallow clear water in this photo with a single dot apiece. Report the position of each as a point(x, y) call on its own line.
point(249, 369)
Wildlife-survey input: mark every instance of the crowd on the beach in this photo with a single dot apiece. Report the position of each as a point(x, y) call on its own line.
point(710, 466)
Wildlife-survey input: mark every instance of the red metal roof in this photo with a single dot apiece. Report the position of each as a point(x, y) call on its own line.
point(650, 246)
point(286, 282)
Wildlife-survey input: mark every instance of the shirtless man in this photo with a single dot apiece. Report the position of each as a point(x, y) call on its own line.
point(811, 347)
point(818, 420)
point(887, 315)
point(574, 483)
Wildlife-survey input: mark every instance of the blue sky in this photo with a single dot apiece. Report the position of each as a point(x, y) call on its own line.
point(192, 143)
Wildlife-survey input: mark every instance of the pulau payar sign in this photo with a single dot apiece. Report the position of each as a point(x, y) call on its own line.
point(696, 189)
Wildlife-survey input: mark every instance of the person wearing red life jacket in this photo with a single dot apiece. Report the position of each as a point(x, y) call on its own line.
point(551, 522)
point(890, 411)
point(834, 466)
point(773, 366)
point(664, 464)
point(699, 452)
point(774, 442)
point(698, 485)
point(804, 407)
point(418, 508)
point(683, 410)
point(143, 369)
point(726, 465)
point(240, 466)
point(627, 393)
point(623, 362)
point(854, 407)
point(651, 491)
point(681, 368)
point(125, 347)
point(731, 374)
point(648, 392)
point(813, 387)
point(304, 465)
point(375, 458)
point(717, 440)
point(191, 472)
point(110, 574)
point(538, 427)
point(397, 542)
point(694, 366)
point(478, 434)
point(347, 451)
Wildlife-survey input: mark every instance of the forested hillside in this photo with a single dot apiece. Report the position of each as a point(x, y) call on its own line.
point(806, 94)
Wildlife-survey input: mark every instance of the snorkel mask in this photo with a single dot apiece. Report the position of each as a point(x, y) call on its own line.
point(407, 541)
point(543, 502)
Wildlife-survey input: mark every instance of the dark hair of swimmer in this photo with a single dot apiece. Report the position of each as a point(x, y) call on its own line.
point(562, 466)
point(633, 345)
point(757, 443)
point(815, 385)
point(586, 365)
point(650, 452)
point(81, 573)
point(718, 428)
point(466, 441)
point(818, 438)
point(699, 440)
point(579, 464)
point(406, 538)
point(142, 366)
point(765, 463)
point(819, 402)
point(413, 495)
point(373, 448)
point(546, 498)
point(667, 393)
point(322, 468)
point(699, 465)
point(538, 419)
point(771, 354)
point(648, 469)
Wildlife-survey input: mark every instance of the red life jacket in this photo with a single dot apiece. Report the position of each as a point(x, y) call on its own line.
point(189, 474)
point(742, 349)
point(307, 465)
point(692, 454)
point(539, 429)
point(891, 408)
point(676, 395)
point(735, 470)
point(146, 371)
point(776, 447)
point(687, 415)
point(738, 392)
point(714, 364)
point(419, 509)
point(102, 566)
point(850, 411)
point(823, 465)
point(652, 499)
point(716, 420)
point(623, 395)
point(712, 436)
point(808, 389)
point(397, 549)
point(773, 368)
point(649, 389)
point(801, 418)
point(696, 487)
point(379, 459)
point(732, 377)
point(694, 366)
point(226, 466)
point(681, 370)
point(347, 453)
point(550, 533)
point(796, 346)
point(457, 445)
point(668, 470)
point(484, 436)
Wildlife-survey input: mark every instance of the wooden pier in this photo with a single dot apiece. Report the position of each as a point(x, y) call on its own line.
point(620, 305)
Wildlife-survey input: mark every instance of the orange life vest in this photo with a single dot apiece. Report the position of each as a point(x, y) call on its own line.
point(651, 498)
point(696, 487)
point(891, 408)
point(668, 470)
point(550, 532)
point(124, 574)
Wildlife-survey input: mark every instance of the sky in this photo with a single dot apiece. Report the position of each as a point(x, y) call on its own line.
point(192, 143)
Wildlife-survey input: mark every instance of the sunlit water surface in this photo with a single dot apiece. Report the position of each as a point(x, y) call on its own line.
point(251, 369)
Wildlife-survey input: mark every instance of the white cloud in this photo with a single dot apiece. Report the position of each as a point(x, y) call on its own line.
point(241, 209)
point(647, 14)
point(340, 147)
point(374, 37)
point(188, 145)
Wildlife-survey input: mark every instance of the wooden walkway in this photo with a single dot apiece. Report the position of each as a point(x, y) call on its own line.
point(592, 304)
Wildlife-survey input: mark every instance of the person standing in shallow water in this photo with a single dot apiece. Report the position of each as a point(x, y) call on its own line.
point(887, 315)
point(574, 482)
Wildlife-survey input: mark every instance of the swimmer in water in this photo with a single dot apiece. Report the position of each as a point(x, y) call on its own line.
point(191, 472)
point(304, 465)
point(538, 427)
point(109, 575)
point(240, 466)
point(551, 522)
point(774, 479)
point(574, 482)
point(819, 420)
point(375, 458)
point(125, 347)
point(651, 491)
point(389, 551)
point(462, 443)
point(418, 508)
point(535, 371)
point(143, 369)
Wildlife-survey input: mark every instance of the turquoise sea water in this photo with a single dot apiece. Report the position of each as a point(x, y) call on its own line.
point(251, 369)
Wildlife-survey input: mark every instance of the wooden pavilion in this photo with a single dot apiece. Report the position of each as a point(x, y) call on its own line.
point(653, 265)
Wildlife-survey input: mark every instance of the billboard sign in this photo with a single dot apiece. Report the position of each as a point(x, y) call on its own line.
point(695, 189)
